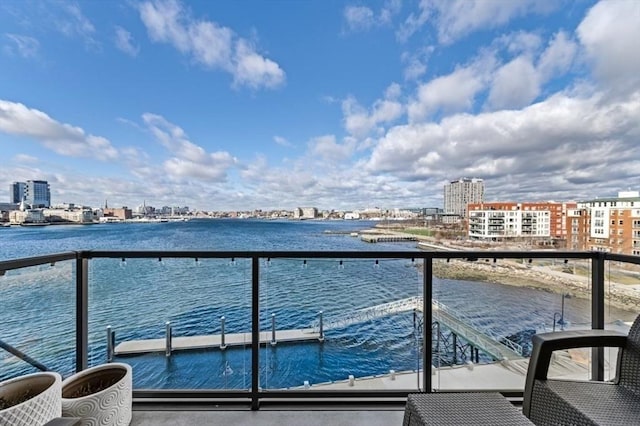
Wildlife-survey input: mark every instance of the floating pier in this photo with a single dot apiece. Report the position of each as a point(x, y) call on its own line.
point(384, 238)
point(220, 341)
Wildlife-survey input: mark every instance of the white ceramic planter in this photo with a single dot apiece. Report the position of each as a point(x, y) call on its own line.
point(40, 409)
point(110, 406)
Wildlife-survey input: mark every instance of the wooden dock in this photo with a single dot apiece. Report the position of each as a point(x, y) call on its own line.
point(212, 341)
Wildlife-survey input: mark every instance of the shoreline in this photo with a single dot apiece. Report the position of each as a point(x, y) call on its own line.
point(536, 277)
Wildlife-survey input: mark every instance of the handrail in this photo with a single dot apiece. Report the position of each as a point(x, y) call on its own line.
point(498, 338)
point(410, 254)
point(8, 265)
point(26, 358)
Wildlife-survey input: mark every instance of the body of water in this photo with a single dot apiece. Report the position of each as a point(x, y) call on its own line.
point(137, 296)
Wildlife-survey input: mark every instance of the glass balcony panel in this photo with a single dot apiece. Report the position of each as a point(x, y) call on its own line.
point(37, 313)
point(371, 336)
point(137, 297)
point(622, 291)
point(487, 311)
point(367, 333)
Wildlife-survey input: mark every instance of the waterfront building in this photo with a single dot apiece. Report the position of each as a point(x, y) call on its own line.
point(121, 213)
point(26, 216)
point(145, 210)
point(37, 193)
point(305, 213)
point(352, 216)
point(613, 223)
point(578, 228)
point(68, 214)
point(16, 192)
point(459, 193)
point(6, 207)
point(503, 220)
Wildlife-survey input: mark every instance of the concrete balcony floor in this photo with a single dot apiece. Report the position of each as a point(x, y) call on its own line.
point(386, 417)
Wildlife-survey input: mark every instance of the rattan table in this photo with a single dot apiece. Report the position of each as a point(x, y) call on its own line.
point(464, 408)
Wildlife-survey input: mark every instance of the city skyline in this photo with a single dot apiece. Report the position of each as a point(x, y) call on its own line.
point(223, 106)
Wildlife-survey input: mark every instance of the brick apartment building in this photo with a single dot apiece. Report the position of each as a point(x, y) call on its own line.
point(541, 221)
point(604, 224)
point(613, 224)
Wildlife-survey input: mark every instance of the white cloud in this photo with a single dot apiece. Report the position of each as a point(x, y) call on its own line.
point(393, 91)
point(363, 18)
point(454, 19)
point(124, 42)
point(327, 148)
point(609, 34)
point(515, 85)
point(75, 24)
point(191, 160)
point(25, 159)
point(451, 93)
point(282, 141)
point(210, 44)
point(536, 147)
point(359, 122)
point(558, 57)
point(254, 70)
point(64, 139)
point(519, 82)
point(414, 21)
point(25, 46)
point(359, 18)
point(389, 10)
point(521, 42)
point(416, 62)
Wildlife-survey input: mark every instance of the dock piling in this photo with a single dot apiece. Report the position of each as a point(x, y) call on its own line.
point(168, 338)
point(455, 348)
point(111, 338)
point(273, 330)
point(223, 346)
point(321, 338)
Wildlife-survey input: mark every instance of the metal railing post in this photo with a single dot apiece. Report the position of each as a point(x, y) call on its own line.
point(597, 313)
point(110, 342)
point(427, 308)
point(255, 332)
point(223, 346)
point(168, 339)
point(82, 312)
point(273, 330)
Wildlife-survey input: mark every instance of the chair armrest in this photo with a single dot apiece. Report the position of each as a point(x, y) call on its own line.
point(544, 344)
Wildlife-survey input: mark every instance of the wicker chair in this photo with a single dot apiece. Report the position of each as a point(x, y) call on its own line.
point(560, 402)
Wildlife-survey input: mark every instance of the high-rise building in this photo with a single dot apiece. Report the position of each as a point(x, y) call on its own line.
point(37, 193)
point(16, 192)
point(459, 193)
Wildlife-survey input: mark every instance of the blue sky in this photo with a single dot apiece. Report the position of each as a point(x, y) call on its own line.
point(224, 105)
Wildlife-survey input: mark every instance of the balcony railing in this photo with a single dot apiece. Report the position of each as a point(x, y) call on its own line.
point(257, 326)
